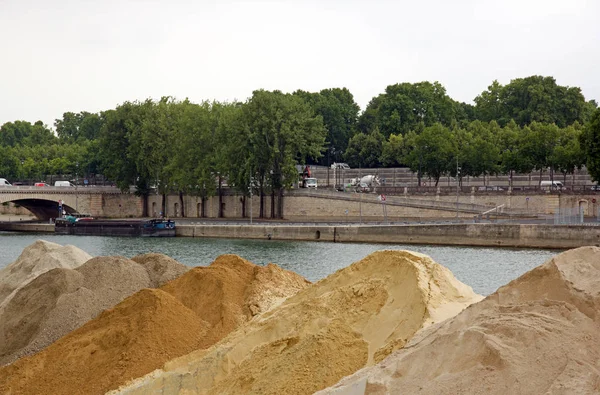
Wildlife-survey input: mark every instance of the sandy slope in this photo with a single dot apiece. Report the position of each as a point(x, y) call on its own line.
point(538, 334)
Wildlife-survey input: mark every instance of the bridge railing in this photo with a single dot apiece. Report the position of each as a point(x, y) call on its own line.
point(52, 189)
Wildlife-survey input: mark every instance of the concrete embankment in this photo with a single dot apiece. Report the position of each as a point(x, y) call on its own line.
point(484, 235)
point(488, 235)
point(26, 227)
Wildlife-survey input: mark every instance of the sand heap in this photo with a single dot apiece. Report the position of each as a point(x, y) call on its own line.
point(352, 318)
point(538, 334)
point(36, 259)
point(60, 300)
point(151, 327)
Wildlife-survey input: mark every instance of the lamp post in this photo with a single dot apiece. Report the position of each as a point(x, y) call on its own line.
point(250, 188)
point(457, 184)
point(76, 192)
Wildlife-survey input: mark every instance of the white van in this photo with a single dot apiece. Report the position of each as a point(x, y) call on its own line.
point(63, 184)
point(4, 182)
point(551, 184)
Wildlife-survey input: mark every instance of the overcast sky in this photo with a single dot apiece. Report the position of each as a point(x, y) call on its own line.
point(58, 56)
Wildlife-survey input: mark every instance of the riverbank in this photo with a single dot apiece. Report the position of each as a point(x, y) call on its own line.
point(477, 235)
point(481, 235)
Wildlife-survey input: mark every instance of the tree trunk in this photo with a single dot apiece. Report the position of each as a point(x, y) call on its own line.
point(203, 207)
point(145, 205)
point(181, 203)
point(163, 205)
point(262, 204)
point(540, 183)
point(273, 204)
point(220, 198)
point(243, 202)
point(280, 204)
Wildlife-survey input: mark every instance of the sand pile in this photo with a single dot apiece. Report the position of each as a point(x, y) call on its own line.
point(353, 318)
point(538, 334)
point(36, 259)
point(160, 268)
point(61, 300)
point(151, 327)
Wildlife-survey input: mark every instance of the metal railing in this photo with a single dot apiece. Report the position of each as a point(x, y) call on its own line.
point(53, 189)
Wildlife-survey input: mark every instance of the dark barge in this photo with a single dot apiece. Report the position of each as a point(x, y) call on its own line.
point(98, 227)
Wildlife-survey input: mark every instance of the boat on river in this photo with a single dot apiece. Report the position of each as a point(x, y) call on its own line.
point(88, 226)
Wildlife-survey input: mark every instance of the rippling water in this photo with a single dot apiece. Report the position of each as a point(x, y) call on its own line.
point(484, 269)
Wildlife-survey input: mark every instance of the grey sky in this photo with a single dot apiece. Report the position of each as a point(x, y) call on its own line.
point(58, 56)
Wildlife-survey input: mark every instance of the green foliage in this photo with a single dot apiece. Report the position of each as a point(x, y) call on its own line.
point(531, 123)
point(403, 106)
point(118, 158)
point(365, 150)
point(77, 127)
point(568, 155)
point(22, 133)
point(532, 99)
point(590, 141)
point(433, 152)
point(340, 113)
point(394, 150)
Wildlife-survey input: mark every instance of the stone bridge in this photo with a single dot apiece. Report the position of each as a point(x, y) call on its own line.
point(43, 202)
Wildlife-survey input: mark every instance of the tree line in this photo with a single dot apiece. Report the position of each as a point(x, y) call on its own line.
point(178, 146)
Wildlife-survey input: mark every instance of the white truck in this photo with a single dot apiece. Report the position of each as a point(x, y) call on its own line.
point(365, 184)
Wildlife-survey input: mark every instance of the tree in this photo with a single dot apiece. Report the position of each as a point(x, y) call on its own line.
point(590, 141)
point(365, 150)
point(191, 166)
point(567, 155)
point(489, 105)
point(532, 99)
point(512, 153)
point(539, 142)
point(78, 126)
point(393, 151)
point(23, 133)
point(9, 162)
point(340, 113)
point(117, 157)
point(432, 151)
point(283, 131)
point(403, 106)
point(483, 149)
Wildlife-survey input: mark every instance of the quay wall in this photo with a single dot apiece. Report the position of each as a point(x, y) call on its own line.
point(484, 235)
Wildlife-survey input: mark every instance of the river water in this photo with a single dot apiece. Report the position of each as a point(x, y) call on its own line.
point(484, 269)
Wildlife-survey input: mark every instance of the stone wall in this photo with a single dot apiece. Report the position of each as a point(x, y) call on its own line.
point(300, 207)
point(304, 208)
point(13, 209)
point(488, 235)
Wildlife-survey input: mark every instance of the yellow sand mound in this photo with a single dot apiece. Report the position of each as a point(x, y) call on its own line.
point(538, 334)
point(325, 332)
point(149, 328)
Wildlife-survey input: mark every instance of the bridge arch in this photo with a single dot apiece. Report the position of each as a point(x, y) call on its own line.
point(43, 209)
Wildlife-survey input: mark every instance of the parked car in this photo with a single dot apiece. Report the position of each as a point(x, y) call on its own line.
point(336, 165)
point(595, 188)
point(490, 188)
point(63, 184)
point(41, 184)
point(551, 184)
point(4, 182)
